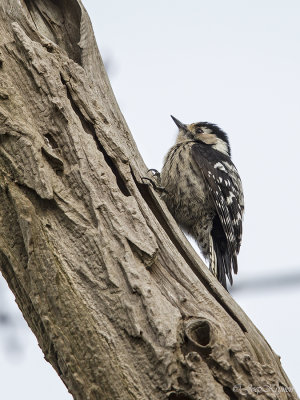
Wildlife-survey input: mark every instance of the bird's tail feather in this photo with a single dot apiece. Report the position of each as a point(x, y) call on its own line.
point(212, 257)
point(235, 264)
point(221, 263)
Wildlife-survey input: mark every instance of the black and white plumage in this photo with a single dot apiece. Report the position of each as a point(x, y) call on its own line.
point(203, 192)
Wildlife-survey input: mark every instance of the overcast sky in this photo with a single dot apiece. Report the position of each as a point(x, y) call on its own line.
point(236, 64)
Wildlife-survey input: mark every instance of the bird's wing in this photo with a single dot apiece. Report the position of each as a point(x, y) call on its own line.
point(225, 186)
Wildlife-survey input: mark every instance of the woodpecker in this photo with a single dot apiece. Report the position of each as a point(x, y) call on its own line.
point(203, 191)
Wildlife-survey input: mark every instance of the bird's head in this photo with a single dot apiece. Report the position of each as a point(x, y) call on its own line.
point(204, 132)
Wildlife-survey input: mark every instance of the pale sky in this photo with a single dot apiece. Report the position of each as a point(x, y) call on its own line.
point(233, 63)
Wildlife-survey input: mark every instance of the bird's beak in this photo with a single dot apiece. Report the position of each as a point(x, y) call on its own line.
point(179, 124)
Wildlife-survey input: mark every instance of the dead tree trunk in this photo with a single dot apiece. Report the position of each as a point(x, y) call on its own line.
point(121, 305)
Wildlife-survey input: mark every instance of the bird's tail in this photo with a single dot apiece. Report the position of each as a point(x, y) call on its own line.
point(212, 257)
point(220, 262)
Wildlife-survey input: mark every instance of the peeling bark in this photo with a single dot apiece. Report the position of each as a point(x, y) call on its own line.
point(121, 305)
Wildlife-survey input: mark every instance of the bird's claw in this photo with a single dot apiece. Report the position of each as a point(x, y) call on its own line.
point(155, 172)
point(155, 187)
point(155, 182)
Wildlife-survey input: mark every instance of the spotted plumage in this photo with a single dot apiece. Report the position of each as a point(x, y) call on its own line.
point(203, 192)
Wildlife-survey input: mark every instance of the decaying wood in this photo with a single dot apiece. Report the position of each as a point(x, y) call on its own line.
point(121, 305)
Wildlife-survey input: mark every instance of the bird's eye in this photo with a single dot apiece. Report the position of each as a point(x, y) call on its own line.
point(199, 130)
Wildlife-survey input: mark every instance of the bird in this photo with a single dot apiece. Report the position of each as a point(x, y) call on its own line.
point(203, 191)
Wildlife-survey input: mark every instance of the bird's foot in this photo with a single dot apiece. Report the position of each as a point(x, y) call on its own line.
point(155, 172)
point(155, 180)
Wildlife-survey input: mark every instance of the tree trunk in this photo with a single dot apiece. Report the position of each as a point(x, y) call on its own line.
point(120, 303)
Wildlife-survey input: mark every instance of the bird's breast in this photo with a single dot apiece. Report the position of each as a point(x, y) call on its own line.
point(186, 193)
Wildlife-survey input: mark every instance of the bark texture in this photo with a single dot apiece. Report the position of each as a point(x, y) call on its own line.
point(121, 305)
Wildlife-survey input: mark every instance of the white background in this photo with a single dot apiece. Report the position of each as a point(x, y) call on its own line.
point(234, 63)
